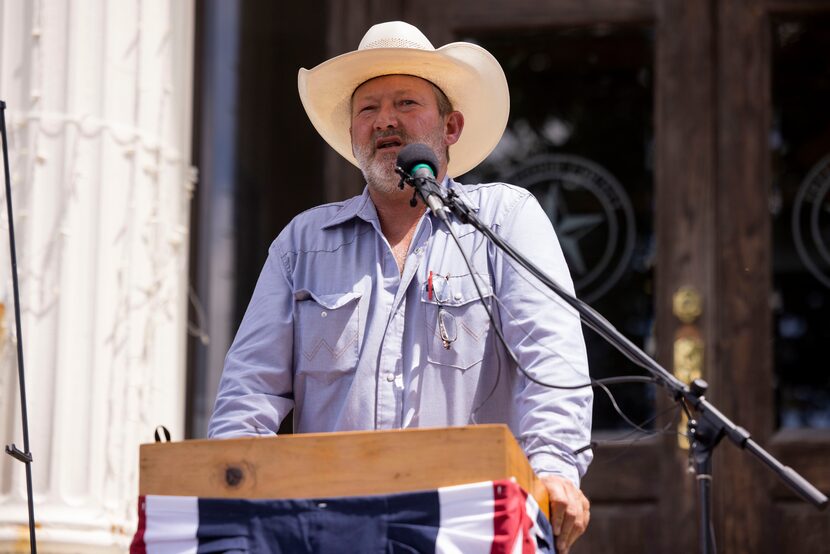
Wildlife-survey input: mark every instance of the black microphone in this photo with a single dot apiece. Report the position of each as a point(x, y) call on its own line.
point(420, 163)
point(418, 160)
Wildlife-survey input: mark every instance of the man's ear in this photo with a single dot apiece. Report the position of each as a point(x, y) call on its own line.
point(453, 127)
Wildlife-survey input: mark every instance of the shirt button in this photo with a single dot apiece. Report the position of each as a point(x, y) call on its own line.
point(323, 314)
point(390, 377)
point(419, 250)
point(458, 296)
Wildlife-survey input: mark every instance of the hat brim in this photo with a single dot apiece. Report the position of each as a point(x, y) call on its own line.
point(469, 75)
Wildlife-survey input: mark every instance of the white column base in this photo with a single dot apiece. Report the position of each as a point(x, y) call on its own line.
point(64, 530)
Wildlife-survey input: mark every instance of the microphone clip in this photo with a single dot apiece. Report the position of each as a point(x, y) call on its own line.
point(406, 179)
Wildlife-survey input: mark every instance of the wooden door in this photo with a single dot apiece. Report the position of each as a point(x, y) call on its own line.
point(773, 139)
point(693, 82)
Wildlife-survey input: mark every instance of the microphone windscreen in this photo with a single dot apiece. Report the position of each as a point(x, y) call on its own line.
point(413, 154)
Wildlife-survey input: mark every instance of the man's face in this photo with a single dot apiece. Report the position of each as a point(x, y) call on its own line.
point(388, 113)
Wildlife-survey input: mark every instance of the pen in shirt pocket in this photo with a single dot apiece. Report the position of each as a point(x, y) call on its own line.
point(429, 286)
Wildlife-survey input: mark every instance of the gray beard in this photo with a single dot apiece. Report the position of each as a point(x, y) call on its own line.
point(380, 172)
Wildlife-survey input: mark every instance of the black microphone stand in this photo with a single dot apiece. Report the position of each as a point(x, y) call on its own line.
point(709, 425)
point(25, 456)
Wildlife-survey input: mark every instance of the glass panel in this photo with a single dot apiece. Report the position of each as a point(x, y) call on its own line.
point(580, 138)
point(800, 206)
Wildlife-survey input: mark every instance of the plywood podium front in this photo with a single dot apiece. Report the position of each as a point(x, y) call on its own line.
point(326, 465)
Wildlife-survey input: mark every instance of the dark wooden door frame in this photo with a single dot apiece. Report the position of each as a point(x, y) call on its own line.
point(743, 272)
point(685, 159)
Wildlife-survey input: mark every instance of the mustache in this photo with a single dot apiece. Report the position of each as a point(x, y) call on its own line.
point(400, 133)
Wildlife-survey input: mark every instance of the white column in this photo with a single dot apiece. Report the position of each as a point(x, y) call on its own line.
point(99, 109)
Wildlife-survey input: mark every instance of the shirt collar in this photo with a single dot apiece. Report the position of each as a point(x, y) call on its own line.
point(449, 183)
point(363, 207)
point(359, 206)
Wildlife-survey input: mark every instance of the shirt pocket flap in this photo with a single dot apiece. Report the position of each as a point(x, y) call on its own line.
point(456, 291)
point(329, 301)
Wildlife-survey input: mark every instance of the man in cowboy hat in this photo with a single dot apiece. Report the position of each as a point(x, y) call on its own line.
point(365, 315)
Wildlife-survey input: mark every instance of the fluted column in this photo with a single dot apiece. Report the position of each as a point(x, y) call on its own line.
point(99, 115)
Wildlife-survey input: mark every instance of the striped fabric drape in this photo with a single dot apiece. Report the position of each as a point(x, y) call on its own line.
point(487, 517)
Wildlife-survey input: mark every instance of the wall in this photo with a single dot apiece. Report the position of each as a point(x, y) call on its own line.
point(99, 116)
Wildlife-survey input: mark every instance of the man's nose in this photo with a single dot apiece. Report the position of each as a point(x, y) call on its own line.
point(386, 118)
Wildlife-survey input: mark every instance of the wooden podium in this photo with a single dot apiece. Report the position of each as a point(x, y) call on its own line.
point(325, 465)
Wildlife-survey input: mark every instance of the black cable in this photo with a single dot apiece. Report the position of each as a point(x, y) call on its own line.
point(623, 379)
point(428, 186)
point(693, 394)
point(496, 327)
point(590, 317)
point(619, 410)
point(558, 299)
point(638, 428)
point(628, 443)
point(600, 383)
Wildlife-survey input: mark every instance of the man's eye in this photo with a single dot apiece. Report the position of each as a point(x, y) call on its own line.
point(407, 102)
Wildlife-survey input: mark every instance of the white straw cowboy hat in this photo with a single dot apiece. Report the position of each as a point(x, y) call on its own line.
point(469, 75)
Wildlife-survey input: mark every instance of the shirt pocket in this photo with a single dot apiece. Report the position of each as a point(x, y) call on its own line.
point(459, 317)
point(327, 334)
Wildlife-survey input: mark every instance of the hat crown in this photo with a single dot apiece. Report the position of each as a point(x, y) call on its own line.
point(394, 34)
point(470, 76)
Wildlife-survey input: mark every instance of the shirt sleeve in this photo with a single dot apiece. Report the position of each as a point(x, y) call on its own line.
point(546, 336)
point(255, 391)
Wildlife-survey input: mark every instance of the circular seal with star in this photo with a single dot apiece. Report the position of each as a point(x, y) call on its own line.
point(811, 221)
point(592, 216)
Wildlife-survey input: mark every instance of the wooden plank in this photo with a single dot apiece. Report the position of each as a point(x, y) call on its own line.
point(805, 450)
point(623, 472)
point(324, 465)
point(483, 14)
point(742, 385)
point(625, 527)
point(783, 7)
point(799, 528)
point(685, 174)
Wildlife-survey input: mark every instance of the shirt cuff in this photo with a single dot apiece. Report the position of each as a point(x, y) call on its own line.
point(544, 463)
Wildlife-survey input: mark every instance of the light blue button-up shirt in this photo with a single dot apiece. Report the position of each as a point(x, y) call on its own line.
point(337, 333)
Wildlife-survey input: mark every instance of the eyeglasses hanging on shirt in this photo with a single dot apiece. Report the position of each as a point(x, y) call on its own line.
point(438, 288)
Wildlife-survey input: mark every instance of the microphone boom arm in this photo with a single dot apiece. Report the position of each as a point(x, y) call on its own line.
point(691, 395)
